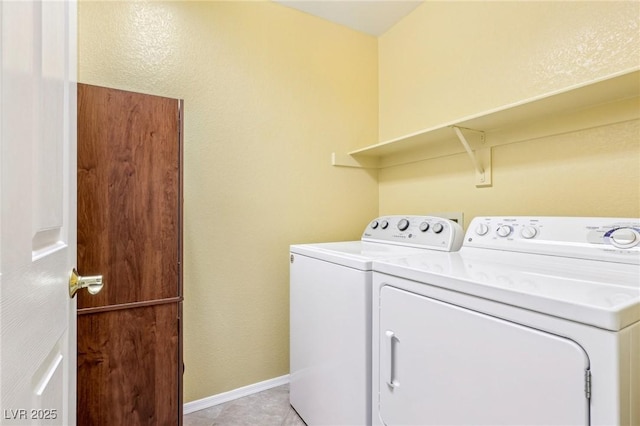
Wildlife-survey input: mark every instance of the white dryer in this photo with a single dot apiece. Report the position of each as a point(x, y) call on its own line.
point(330, 307)
point(535, 321)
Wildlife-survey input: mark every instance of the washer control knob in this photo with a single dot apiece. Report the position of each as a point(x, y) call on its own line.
point(384, 224)
point(624, 237)
point(403, 224)
point(424, 226)
point(374, 224)
point(529, 232)
point(437, 228)
point(482, 229)
point(504, 230)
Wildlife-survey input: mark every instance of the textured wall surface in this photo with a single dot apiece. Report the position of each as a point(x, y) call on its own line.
point(269, 94)
point(593, 172)
point(448, 60)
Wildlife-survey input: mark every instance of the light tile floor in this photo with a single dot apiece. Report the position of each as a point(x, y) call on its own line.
point(266, 408)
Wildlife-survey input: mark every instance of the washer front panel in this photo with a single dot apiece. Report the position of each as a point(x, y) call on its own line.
point(330, 341)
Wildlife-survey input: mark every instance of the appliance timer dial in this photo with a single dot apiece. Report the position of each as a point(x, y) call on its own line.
point(504, 230)
point(529, 232)
point(403, 224)
point(624, 237)
point(482, 229)
point(437, 228)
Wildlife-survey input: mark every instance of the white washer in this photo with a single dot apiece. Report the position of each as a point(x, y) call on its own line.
point(330, 339)
point(535, 321)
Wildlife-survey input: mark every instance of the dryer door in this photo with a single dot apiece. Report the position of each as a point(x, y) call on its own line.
point(441, 364)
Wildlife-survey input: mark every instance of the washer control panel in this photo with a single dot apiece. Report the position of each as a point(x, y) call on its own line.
point(596, 238)
point(430, 232)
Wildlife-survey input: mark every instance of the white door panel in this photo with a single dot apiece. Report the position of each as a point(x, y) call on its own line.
point(38, 218)
point(441, 364)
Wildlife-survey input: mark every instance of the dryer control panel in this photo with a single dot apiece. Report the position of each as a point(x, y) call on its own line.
point(595, 238)
point(431, 232)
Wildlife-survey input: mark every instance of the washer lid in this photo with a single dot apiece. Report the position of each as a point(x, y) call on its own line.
point(354, 254)
point(602, 294)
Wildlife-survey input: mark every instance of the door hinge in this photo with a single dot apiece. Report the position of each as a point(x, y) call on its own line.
point(587, 383)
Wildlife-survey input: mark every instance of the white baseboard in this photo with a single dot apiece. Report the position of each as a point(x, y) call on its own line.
point(220, 398)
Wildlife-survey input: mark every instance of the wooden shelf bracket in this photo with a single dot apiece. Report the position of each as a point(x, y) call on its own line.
point(481, 158)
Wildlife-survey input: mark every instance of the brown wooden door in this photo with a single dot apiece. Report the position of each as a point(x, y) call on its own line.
point(130, 231)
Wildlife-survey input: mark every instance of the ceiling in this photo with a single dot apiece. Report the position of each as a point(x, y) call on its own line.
point(371, 17)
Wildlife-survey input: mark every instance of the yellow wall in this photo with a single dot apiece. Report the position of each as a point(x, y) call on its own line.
point(269, 94)
point(448, 60)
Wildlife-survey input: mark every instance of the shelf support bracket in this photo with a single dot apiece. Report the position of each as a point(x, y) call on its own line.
point(481, 158)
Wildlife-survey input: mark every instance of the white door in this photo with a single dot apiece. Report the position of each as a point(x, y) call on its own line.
point(445, 365)
point(38, 213)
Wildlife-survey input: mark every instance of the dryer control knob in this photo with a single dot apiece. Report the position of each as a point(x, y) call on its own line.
point(384, 224)
point(437, 228)
point(529, 232)
point(482, 229)
point(424, 226)
point(374, 224)
point(403, 224)
point(624, 238)
point(504, 230)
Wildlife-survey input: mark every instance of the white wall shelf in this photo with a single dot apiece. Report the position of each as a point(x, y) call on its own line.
point(614, 98)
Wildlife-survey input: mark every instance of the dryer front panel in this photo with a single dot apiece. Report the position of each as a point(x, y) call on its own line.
point(441, 364)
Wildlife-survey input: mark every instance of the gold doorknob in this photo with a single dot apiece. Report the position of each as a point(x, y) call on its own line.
point(93, 284)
